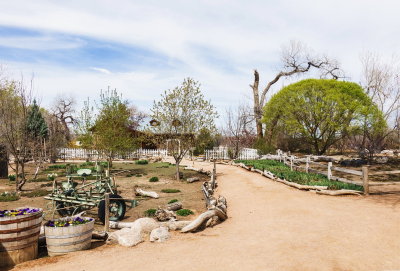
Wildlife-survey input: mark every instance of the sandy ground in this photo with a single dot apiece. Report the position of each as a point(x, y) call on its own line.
point(270, 227)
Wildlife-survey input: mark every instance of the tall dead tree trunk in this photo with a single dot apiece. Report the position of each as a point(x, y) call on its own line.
point(296, 60)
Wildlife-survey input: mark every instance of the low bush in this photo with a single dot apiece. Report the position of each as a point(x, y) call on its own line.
point(172, 201)
point(8, 196)
point(57, 166)
point(87, 164)
point(184, 212)
point(11, 178)
point(36, 193)
point(150, 212)
point(153, 179)
point(141, 162)
point(283, 171)
point(170, 190)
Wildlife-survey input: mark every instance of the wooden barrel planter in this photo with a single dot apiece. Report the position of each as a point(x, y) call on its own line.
point(62, 240)
point(19, 238)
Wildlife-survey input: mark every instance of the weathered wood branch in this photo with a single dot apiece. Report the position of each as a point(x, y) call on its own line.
point(144, 193)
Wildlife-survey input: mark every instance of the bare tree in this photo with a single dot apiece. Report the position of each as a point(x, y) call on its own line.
point(238, 131)
point(137, 117)
point(296, 59)
point(15, 100)
point(64, 110)
point(381, 81)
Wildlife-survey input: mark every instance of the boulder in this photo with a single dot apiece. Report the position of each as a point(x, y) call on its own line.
point(160, 234)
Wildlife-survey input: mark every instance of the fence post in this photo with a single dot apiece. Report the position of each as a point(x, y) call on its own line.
point(107, 212)
point(307, 163)
point(329, 170)
point(365, 180)
point(291, 163)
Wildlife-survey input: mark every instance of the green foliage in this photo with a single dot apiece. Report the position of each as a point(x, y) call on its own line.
point(150, 212)
point(141, 162)
point(11, 177)
point(169, 190)
point(36, 125)
point(36, 193)
point(283, 171)
point(84, 124)
point(320, 111)
point(7, 196)
point(204, 141)
point(184, 212)
point(263, 147)
point(172, 201)
point(153, 179)
point(86, 164)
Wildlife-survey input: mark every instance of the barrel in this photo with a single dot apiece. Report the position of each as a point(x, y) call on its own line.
point(19, 238)
point(62, 240)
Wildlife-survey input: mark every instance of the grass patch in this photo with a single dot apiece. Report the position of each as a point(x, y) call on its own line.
point(184, 212)
point(153, 179)
point(170, 190)
point(283, 171)
point(11, 177)
point(150, 212)
point(8, 196)
point(141, 162)
point(36, 193)
point(172, 201)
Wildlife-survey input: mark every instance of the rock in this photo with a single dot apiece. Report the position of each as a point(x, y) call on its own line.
point(160, 234)
point(192, 180)
point(381, 160)
point(164, 215)
point(174, 206)
point(388, 152)
point(134, 235)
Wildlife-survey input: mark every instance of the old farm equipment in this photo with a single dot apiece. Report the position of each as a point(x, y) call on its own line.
point(69, 197)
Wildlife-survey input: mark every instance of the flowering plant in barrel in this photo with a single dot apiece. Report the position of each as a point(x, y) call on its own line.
point(69, 222)
point(18, 212)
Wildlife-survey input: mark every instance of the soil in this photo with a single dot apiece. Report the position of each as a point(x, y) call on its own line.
point(271, 227)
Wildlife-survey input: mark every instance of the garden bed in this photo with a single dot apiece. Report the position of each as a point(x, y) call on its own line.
point(283, 171)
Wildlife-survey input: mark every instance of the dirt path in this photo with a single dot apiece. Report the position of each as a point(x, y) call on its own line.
point(270, 227)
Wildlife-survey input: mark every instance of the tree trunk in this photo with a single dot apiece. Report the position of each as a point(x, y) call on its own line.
point(3, 162)
point(177, 171)
point(257, 105)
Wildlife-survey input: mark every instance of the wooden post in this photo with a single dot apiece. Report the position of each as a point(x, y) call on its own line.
point(307, 163)
point(329, 170)
point(107, 212)
point(291, 163)
point(365, 180)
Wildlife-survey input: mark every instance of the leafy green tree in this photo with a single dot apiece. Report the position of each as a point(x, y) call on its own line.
point(36, 125)
point(179, 116)
point(321, 111)
point(205, 140)
point(111, 130)
point(84, 124)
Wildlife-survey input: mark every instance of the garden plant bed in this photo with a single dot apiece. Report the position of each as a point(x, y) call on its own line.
point(282, 171)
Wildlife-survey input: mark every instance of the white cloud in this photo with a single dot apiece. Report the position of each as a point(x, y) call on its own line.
point(216, 42)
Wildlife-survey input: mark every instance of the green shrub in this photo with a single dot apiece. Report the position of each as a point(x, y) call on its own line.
point(138, 175)
point(170, 190)
point(11, 178)
point(8, 196)
point(184, 212)
point(153, 179)
point(60, 166)
point(36, 193)
point(283, 171)
point(150, 212)
point(172, 201)
point(87, 164)
point(141, 162)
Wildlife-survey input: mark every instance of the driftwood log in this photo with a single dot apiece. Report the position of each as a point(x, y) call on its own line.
point(141, 192)
point(339, 192)
point(192, 180)
point(164, 215)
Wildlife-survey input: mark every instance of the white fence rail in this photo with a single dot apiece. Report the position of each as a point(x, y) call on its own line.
point(222, 154)
point(75, 153)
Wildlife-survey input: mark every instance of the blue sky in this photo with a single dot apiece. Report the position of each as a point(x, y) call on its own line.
point(142, 48)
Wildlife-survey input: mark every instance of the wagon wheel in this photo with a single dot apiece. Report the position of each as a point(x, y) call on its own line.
point(71, 209)
point(117, 208)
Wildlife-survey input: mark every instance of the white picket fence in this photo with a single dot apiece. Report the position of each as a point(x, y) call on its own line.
point(222, 154)
point(75, 153)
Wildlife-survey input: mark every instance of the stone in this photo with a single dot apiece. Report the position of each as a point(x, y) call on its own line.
point(160, 234)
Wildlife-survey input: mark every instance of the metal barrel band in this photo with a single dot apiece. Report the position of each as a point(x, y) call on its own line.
point(21, 219)
point(11, 248)
point(68, 236)
point(72, 243)
point(13, 239)
point(61, 252)
point(20, 229)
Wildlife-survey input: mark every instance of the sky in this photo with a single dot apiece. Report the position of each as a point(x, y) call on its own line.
point(142, 48)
